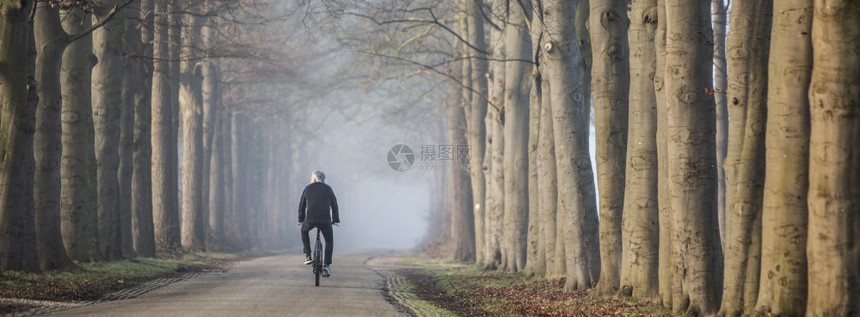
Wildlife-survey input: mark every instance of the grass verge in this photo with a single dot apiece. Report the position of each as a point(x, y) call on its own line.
point(93, 281)
point(470, 291)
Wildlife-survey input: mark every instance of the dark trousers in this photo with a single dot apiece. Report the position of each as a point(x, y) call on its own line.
point(325, 228)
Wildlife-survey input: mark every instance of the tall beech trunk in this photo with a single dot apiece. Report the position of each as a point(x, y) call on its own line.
point(834, 166)
point(51, 41)
point(548, 187)
point(664, 269)
point(477, 130)
point(720, 24)
point(17, 122)
point(217, 191)
point(783, 280)
point(494, 197)
point(748, 45)
point(78, 210)
point(164, 183)
point(143, 232)
point(515, 162)
point(691, 125)
point(782, 290)
point(535, 252)
point(211, 72)
point(191, 106)
point(640, 230)
point(570, 111)
point(459, 180)
point(134, 91)
point(610, 83)
point(107, 95)
point(240, 211)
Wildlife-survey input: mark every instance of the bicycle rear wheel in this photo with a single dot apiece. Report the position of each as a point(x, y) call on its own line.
point(317, 262)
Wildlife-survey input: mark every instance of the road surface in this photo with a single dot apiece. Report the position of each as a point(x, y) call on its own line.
point(270, 286)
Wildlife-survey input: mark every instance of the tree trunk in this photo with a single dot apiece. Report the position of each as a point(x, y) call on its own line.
point(494, 200)
point(107, 95)
point(143, 232)
point(720, 86)
point(610, 83)
point(217, 192)
point(240, 213)
point(477, 130)
point(133, 92)
point(518, 47)
point(747, 46)
point(535, 252)
point(570, 111)
point(548, 187)
point(164, 209)
point(691, 125)
point(640, 233)
point(590, 225)
point(665, 261)
point(211, 103)
point(51, 41)
point(78, 211)
point(783, 279)
point(191, 103)
point(834, 167)
point(17, 122)
point(229, 220)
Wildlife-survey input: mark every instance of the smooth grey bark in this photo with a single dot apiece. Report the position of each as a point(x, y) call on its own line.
point(783, 283)
point(665, 261)
point(834, 163)
point(720, 23)
point(217, 192)
point(691, 127)
point(191, 106)
point(535, 248)
point(747, 45)
point(640, 230)
point(494, 198)
point(164, 183)
point(228, 219)
point(610, 83)
point(564, 69)
point(78, 210)
point(548, 187)
point(211, 72)
point(143, 232)
point(477, 130)
point(51, 41)
point(134, 91)
point(462, 238)
point(239, 216)
point(107, 95)
point(17, 122)
point(515, 161)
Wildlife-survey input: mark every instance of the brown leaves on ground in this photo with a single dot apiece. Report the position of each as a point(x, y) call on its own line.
point(473, 293)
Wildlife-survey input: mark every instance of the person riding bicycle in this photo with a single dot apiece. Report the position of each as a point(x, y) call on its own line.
point(318, 209)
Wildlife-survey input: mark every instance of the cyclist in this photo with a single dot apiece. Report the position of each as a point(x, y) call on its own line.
point(318, 209)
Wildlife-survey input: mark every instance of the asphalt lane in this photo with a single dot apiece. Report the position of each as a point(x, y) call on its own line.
point(269, 286)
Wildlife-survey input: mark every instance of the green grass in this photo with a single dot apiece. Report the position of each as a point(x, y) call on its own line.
point(91, 281)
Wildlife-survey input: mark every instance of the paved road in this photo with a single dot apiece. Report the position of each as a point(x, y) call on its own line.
point(270, 286)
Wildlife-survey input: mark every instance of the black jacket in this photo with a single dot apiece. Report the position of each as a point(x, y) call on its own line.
point(317, 200)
